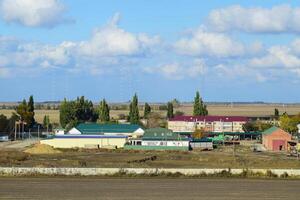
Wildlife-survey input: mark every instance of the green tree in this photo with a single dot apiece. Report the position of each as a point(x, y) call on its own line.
point(84, 110)
point(276, 113)
point(3, 123)
point(104, 111)
point(67, 113)
point(175, 103)
point(147, 110)
point(46, 121)
point(285, 123)
point(199, 106)
point(27, 116)
point(134, 116)
point(170, 110)
point(288, 123)
point(31, 111)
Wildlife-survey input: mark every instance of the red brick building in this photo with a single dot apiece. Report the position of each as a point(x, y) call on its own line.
point(276, 139)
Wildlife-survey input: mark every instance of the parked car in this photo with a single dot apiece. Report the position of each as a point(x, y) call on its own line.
point(4, 138)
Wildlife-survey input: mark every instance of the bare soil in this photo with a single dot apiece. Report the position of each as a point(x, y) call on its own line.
point(131, 189)
point(223, 157)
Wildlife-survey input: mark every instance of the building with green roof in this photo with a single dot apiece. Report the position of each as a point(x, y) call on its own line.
point(162, 134)
point(276, 139)
point(161, 139)
point(107, 129)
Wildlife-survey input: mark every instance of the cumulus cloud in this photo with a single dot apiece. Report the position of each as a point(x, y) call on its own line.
point(204, 43)
point(279, 58)
point(177, 71)
point(111, 40)
point(33, 13)
point(278, 19)
point(108, 46)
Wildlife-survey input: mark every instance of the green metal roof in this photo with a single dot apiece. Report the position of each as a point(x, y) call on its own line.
point(270, 130)
point(235, 133)
point(161, 134)
point(201, 140)
point(94, 128)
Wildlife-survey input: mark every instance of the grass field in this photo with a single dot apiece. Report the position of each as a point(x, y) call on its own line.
point(222, 157)
point(236, 109)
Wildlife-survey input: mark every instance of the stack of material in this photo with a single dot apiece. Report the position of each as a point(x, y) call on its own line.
point(42, 149)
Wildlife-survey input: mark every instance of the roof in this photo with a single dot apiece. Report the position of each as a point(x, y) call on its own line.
point(210, 118)
point(235, 133)
point(87, 136)
point(161, 134)
point(202, 140)
point(270, 130)
point(94, 128)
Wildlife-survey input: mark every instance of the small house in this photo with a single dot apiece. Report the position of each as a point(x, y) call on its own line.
point(276, 139)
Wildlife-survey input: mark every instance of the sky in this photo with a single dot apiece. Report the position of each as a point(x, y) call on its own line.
point(160, 49)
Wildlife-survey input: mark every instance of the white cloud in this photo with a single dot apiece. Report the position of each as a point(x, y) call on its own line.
point(111, 40)
point(33, 13)
point(177, 71)
point(108, 46)
point(278, 19)
point(201, 42)
point(278, 58)
point(231, 70)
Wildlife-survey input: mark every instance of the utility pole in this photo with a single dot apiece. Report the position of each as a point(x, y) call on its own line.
point(15, 131)
point(38, 131)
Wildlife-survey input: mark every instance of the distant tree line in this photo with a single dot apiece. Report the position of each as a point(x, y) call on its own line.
point(80, 110)
point(24, 115)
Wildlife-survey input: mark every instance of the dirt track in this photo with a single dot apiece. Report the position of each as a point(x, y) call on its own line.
point(162, 189)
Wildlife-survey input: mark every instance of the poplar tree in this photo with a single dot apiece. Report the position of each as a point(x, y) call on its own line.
point(170, 110)
point(134, 116)
point(31, 111)
point(147, 110)
point(104, 111)
point(199, 107)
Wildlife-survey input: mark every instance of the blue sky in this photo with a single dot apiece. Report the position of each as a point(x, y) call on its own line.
point(229, 50)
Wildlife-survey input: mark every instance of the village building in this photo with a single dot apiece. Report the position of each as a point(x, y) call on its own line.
point(160, 139)
point(130, 130)
point(216, 124)
point(93, 135)
point(86, 141)
point(276, 139)
point(202, 144)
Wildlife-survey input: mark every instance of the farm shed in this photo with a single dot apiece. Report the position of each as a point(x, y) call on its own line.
point(130, 130)
point(203, 143)
point(276, 139)
point(86, 141)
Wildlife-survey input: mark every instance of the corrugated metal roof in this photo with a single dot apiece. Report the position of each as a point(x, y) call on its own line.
point(95, 128)
point(210, 118)
point(270, 130)
point(161, 134)
point(89, 136)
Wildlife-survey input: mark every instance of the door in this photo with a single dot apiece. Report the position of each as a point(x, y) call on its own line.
point(278, 145)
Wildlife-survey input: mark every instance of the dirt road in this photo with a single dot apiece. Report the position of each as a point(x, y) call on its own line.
point(162, 189)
